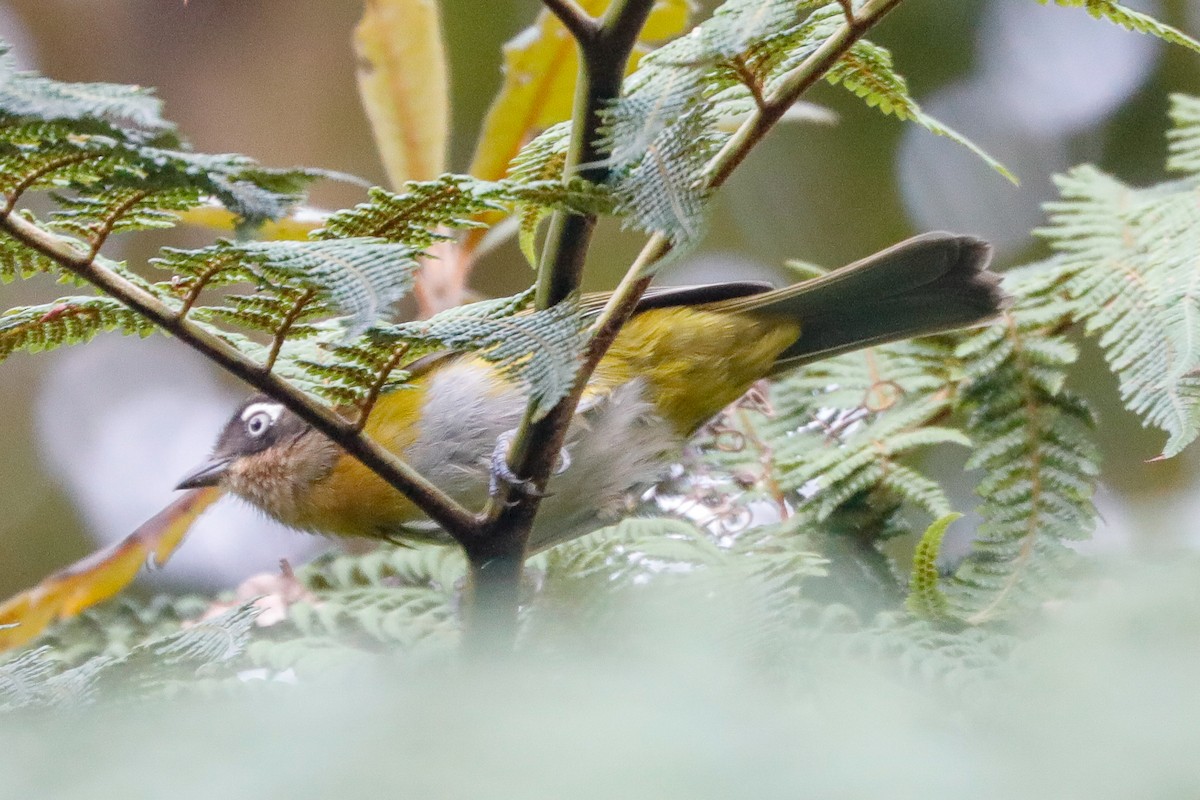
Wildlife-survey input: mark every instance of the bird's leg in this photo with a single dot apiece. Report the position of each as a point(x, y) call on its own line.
point(503, 473)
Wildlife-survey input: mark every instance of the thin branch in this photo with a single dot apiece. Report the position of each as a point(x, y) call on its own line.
point(580, 24)
point(848, 10)
point(789, 89)
point(601, 70)
point(749, 80)
point(456, 520)
point(619, 28)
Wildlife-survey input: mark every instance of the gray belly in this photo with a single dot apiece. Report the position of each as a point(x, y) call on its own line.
point(617, 445)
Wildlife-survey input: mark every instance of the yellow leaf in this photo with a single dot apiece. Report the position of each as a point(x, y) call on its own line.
point(668, 19)
point(403, 84)
point(540, 66)
point(102, 574)
point(296, 225)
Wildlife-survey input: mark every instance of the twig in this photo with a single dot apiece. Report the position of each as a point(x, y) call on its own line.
point(848, 10)
point(790, 87)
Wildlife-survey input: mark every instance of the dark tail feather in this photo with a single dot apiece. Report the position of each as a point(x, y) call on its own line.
point(929, 284)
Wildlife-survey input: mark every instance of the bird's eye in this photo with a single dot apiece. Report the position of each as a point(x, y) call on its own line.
point(258, 424)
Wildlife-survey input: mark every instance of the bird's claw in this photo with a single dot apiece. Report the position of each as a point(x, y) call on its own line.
point(503, 474)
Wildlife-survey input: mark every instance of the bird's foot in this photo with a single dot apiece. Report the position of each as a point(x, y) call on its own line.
point(503, 474)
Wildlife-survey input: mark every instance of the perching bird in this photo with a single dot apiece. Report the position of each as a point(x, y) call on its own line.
point(686, 354)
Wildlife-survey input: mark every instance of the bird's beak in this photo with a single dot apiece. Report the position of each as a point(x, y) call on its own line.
point(207, 474)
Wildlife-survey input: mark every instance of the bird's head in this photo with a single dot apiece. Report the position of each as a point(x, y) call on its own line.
point(265, 454)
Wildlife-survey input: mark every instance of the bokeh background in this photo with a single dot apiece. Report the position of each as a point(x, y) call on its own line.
point(92, 439)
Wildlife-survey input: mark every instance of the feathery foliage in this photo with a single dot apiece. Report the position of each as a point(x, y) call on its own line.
point(1118, 14)
point(666, 126)
point(1129, 257)
point(1033, 441)
point(71, 320)
point(794, 487)
point(38, 679)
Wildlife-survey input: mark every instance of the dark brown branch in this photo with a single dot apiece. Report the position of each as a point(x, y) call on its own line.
point(577, 21)
point(497, 556)
point(603, 59)
point(457, 521)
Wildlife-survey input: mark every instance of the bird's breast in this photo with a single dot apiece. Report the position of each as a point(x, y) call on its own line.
point(446, 426)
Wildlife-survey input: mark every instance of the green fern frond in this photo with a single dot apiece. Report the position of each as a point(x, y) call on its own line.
point(23, 678)
point(862, 412)
point(542, 159)
point(70, 320)
point(114, 629)
point(40, 679)
point(1130, 258)
point(94, 216)
point(286, 312)
point(739, 26)
point(538, 349)
point(27, 94)
point(834, 471)
point(634, 547)
point(251, 191)
point(361, 278)
point(662, 132)
point(414, 216)
point(925, 598)
point(1115, 12)
point(395, 595)
point(19, 261)
point(1033, 440)
point(104, 167)
point(1184, 137)
point(788, 47)
point(867, 72)
point(660, 193)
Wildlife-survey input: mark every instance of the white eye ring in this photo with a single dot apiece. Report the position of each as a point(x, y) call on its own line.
point(259, 423)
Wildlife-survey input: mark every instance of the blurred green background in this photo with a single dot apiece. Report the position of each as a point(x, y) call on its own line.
point(84, 432)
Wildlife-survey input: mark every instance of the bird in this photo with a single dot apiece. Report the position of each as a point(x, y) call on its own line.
point(684, 355)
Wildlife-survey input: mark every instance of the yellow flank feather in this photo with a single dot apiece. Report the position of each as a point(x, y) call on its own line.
point(695, 361)
point(353, 500)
